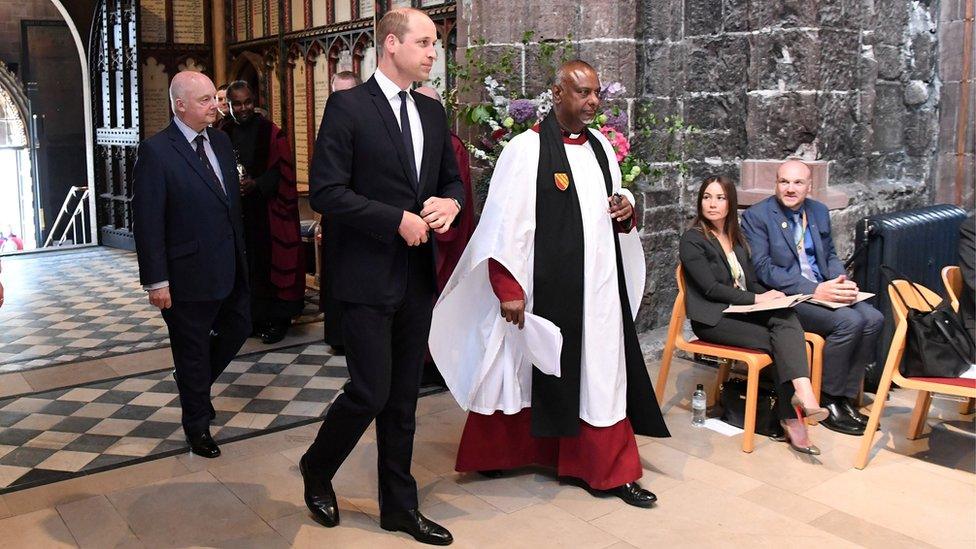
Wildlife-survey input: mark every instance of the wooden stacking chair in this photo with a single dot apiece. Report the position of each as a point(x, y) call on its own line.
point(952, 278)
point(924, 385)
point(754, 361)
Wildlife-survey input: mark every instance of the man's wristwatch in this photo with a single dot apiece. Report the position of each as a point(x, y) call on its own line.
point(458, 204)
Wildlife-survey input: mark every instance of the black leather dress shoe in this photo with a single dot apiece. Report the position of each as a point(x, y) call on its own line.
point(203, 445)
point(633, 494)
point(274, 334)
point(420, 527)
point(492, 473)
point(853, 412)
point(320, 498)
point(840, 421)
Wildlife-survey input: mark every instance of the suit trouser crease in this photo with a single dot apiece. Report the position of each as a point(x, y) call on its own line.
point(775, 332)
point(204, 337)
point(850, 334)
point(385, 350)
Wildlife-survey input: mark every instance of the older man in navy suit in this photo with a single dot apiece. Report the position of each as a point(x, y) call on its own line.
point(189, 240)
point(793, 252)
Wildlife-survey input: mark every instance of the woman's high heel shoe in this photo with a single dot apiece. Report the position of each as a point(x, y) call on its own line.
point(815, 414)
point(788, 427)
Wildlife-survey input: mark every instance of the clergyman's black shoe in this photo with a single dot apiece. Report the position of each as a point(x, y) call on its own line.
point(633, 494)
point(420, 527)
point(853, 412)
point(320, 498)
point(274, 334)
point(840, 421)
point(203, 445)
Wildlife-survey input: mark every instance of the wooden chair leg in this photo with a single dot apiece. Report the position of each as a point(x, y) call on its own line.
point(816, 369)
point(894, 358)
point(968, 406)
point(752, 397)
point(723, 374)
point(919, 415)
point(674, 329)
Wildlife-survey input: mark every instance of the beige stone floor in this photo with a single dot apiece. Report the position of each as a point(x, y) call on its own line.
point(710, 493)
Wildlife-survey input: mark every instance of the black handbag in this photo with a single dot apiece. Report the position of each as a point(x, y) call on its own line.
point(936, 343)
point(732, 397)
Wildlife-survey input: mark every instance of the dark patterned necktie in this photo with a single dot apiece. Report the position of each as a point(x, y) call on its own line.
point(202, 153)
point(407, 137)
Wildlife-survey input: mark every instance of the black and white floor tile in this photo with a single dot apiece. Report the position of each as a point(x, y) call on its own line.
point(80, 305)
point(46, 437)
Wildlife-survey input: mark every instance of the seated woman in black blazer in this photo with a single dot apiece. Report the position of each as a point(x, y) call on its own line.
point(718, 272)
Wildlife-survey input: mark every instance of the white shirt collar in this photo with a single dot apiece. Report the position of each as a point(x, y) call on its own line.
point(188, 132)
point(389, 88)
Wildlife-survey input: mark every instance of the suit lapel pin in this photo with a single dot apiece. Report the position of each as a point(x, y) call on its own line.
point(783, 225)
point(562, 181)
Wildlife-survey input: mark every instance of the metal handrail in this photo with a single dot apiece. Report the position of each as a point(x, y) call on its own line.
point(79, 209)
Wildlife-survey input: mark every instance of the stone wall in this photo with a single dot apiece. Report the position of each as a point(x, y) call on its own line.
point(853, 82)
point(12, 12)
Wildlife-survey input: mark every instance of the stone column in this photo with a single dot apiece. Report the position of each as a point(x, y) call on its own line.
point(219, 22)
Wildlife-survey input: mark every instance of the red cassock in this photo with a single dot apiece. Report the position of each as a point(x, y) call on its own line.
point(450, 245)
point(603, 457)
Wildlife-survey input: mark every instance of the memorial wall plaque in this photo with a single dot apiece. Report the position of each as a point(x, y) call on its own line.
point(320, 88)
point(343, 11)
point(152, 20)
point(188, 22)
point(368, 65)
point(367, 8)
point(155, 97)
point(276, 106)
point(298, 14)
point(240, 19)
point(274, 21)
point(258, 9)
point(299, 98)
point(345, 61)
point(320, 13)
point(191, 64)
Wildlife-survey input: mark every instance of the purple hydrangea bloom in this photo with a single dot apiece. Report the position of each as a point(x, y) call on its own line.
point(521, 110)
point(612, 90)
point(618, 122)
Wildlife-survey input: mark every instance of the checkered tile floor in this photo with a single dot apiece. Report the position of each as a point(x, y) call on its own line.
point(52, 436)
point(79, 305)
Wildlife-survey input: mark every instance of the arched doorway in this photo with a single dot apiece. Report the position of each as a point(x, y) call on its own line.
point(17, 224)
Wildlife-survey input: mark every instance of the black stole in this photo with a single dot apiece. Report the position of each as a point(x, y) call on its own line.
point(558, 297)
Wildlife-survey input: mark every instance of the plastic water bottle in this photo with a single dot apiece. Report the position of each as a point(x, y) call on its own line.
point(698, 406)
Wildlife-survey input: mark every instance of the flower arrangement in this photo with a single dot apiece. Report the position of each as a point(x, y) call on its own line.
point(506, 115)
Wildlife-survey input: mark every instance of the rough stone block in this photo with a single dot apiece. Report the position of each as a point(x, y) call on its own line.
point(661, 20)
point(658, 197)
point(784, 59)
point(890, 61)
point(716, 64)
point(716, 112)
point(924, 54)
point(778, 123)
point(701, 17)
point(492, 55)
point(888, 117)
point(735, 15)
point(916, 92)
point(661, 69)
point(497, 21)
point(784, 13)
point(891, 21)
point(837, 127)
point(839, 57)
point(847, 14)
point(615, 62)
point(715, 144)
point(921, 129)
point(605, 19)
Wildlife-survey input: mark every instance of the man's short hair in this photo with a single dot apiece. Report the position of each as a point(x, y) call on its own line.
point(222, 87)
point(238, 85)
point(395, 22)
point(347, 75)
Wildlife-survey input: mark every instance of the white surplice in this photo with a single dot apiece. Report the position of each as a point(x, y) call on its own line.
point(484, 366)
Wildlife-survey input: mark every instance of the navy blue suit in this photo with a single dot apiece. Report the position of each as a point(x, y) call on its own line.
point(850, 332)
point(189, 232)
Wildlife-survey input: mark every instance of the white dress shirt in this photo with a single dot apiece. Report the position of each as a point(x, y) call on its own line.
point(392, 93)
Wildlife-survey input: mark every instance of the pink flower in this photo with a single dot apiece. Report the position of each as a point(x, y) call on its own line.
point(619, 142)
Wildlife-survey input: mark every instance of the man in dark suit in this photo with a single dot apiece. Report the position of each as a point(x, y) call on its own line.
point(189, 240)
point(793, 252)
point(384, 171)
